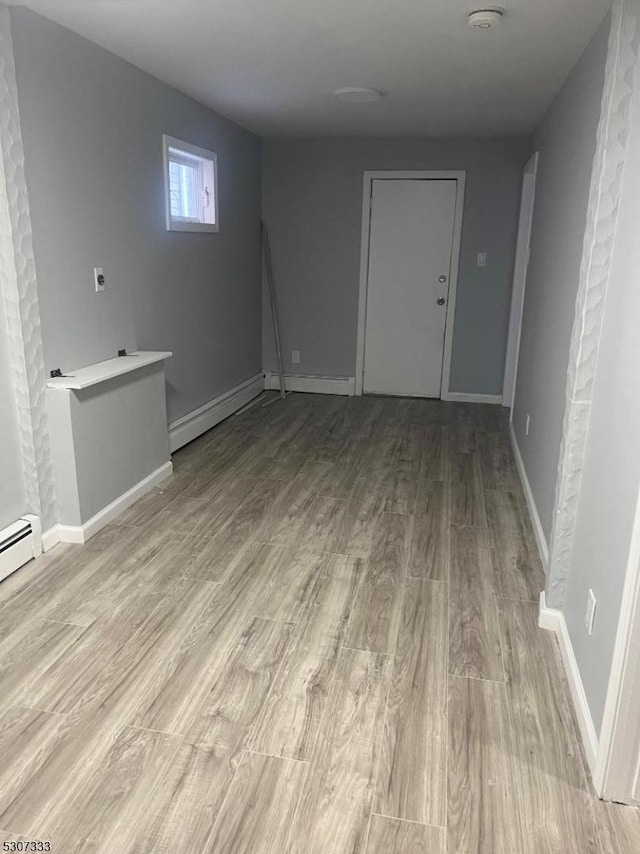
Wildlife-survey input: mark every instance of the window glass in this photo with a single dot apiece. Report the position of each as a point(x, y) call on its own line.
point(190, 187)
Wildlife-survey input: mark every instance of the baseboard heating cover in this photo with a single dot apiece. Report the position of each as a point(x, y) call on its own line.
point(19, 543)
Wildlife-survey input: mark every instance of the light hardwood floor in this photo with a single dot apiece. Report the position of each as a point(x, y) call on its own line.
point(318, 636)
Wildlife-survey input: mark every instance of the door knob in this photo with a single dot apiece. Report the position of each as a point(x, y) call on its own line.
point(442, 279)
point(441, 301)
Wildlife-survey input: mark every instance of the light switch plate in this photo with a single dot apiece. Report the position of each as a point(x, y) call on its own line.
point(295, 357)
point(482, 259)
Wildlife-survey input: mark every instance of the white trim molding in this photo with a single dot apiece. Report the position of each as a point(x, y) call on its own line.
point(541, 540)
point(553, 620)
point(521, 269)
point(311, 384)
point(50, 538)
point(36, 528)
point(187, 428)
point(616, 768)
point(462, 397)
point(602, 217)
point(81, 533)
point(415, 175)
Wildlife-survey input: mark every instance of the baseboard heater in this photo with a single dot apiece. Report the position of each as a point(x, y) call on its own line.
point(20, 542)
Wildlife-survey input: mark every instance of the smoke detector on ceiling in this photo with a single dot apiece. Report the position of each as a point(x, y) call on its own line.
point(486, 19)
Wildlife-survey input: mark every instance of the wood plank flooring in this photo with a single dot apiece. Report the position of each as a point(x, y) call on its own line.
point(319, 635)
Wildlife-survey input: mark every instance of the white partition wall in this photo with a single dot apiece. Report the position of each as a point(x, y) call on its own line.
point(111, 440)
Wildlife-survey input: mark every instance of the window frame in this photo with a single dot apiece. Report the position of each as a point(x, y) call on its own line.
point(200, 154)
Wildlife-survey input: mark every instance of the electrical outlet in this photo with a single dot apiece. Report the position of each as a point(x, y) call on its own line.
point(295, 357)
point(590, 613)
point(482, 259)
point(98, 279)
point(526, 426)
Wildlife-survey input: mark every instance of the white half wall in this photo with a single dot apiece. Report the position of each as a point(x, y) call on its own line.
point(110, 438)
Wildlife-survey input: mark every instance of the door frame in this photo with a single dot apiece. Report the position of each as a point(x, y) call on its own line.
point(520, 272)
point(415, 175)
point(616, 775)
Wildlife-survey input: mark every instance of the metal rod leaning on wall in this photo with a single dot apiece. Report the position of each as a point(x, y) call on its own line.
point(266, 248)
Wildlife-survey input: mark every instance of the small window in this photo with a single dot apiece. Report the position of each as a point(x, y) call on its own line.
point(191, 186)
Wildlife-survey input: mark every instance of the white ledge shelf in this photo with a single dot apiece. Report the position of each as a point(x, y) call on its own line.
point(102, 371)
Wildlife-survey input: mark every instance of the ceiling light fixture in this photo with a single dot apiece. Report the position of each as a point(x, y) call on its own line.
point(358, 95)
point(486, 19)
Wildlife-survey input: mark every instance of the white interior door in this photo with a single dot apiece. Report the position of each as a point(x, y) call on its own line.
point(410, 247)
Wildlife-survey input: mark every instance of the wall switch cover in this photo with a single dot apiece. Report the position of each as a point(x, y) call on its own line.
point(295, 357)
point(482, 259)
point(98, 279)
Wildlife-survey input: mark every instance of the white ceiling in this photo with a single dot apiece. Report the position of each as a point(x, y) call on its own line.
point(272, 65)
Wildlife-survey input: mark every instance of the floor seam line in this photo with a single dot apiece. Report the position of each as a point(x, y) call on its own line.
point(409, 820)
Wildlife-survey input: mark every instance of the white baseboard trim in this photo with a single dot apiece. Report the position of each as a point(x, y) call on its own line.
point(541, 540)
point(187, 428)
point(36, 530)
point(50, 538)
point(81, 533)
point(553, 620)
point(548, 618)
point(312, 384)
point(462, 397)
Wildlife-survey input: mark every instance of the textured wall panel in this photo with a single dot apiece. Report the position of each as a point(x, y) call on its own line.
point(20, 295)
point(604, 199)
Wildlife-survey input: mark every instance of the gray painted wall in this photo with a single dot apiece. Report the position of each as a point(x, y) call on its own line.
point(312, 202)
point(12, 487)
point(92, 128)
point(611, 476)
point(566, 140)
